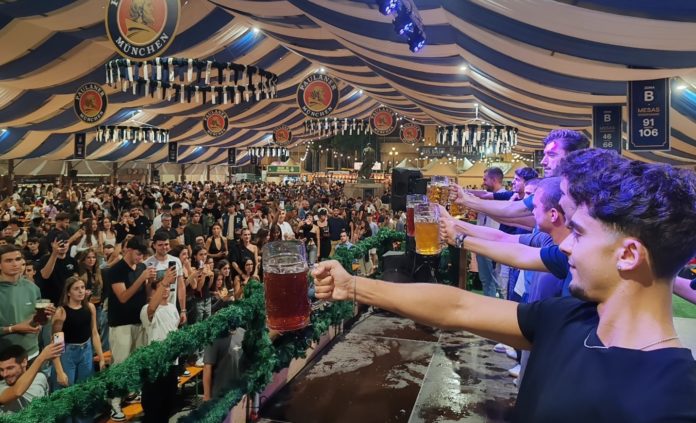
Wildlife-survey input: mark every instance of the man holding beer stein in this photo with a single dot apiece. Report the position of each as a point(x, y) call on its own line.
point(22, 312)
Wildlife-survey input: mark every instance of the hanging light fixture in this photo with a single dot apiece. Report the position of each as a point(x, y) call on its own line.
point(478, 137)
point(124, 133)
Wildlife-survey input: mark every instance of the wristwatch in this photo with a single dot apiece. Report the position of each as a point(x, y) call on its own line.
point(459, 240)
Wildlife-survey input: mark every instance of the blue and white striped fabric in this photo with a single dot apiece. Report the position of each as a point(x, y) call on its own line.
point(534, 64)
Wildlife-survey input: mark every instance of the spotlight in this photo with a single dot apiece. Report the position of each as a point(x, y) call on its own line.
point(387, 7)
point(255, 30)
point(403, 23)
point(681, 87)
point(416, 41)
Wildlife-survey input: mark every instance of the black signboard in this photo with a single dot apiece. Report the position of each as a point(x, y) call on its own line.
point(231, 156)
point(80, 145)
point(606, 127)
point(173, 152)
point(648, 111)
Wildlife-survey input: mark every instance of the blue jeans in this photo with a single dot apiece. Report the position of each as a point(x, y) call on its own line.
point(487, 276)
point(77, 364)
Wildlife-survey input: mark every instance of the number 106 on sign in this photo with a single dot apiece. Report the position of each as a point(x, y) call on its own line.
point(648, 129)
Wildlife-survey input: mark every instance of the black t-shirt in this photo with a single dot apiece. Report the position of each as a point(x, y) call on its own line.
point(565, 381)
point(127, 313)
point(142, 226)
point(336, 225)
point(52, 288)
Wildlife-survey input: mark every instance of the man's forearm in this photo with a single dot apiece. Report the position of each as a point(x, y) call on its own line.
point(445, 307)
point(484, 232)
point(526, 222)
point(181, 292)
point(48, 268)
point(498, 208)
point(514, 255)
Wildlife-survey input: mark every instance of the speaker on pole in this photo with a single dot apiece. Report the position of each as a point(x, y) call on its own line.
point(80, 145)
point(231, 156)
point(405, 182)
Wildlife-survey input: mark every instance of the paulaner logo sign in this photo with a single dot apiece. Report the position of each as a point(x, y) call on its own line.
point(141, 29)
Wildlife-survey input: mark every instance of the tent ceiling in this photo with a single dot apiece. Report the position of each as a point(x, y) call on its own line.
point(536, 64)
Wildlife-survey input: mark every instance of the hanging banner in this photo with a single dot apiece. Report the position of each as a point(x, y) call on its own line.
point(606, 127)
point(410, 133)
point(142, 29)
point(173, 152)
point(383, 121)
point(317, 95)
point(231, 156)
point(90, 102)
point(282, 135)
point(253, 160)
point(648, 115)
point(216, 122)
point(537, 157)
point(80, 145)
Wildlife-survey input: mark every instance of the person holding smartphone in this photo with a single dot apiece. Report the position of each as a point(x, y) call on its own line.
point(161, 261)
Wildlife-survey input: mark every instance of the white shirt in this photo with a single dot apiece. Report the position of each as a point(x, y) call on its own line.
point(484, 220)
point(157, 222)
point(164, 321)
point(161, 267)
point(286, 229)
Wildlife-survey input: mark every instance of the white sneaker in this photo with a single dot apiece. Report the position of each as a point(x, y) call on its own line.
point(500, 348)
point(515, 371)
point(117, 415)
point(199, 362)
point(510, 352)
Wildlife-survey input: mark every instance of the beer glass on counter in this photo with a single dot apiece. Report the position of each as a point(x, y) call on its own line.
point(285, 284)
point(411, 201)
point(426, 217)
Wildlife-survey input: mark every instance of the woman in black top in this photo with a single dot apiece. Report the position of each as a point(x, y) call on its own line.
point(216, 244)
point(324, 235)
point(309, 234)
point(89, 271)
point(76, 319)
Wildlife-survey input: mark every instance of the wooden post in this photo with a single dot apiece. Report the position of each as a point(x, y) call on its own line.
point(151, 171)
point(207, 173)
point(183, 175)
point(114, 173)
point(70, 179)
point(463, 268)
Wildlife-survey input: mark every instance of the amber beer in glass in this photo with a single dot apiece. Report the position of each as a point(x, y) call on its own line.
point(40, 317)
point(427, 229)
point(411, 201)
point(438, 190)
point(285, 283)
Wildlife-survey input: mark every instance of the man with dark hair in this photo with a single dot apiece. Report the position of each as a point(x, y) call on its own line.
point(55, 268)
point(32, 251)
point(22, 383)
point(557, 145)
point(161, 261)
point(610, 354)
point(166, 227)
point(127, 296)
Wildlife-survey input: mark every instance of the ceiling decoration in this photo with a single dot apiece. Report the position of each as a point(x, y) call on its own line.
point(532, 65)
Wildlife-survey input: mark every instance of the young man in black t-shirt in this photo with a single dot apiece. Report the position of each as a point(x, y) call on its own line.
point(127, 296)
point(611, 354)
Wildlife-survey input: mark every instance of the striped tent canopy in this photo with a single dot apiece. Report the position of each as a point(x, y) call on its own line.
point(534, 64)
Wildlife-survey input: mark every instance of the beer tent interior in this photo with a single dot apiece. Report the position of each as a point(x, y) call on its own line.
point(534, 65)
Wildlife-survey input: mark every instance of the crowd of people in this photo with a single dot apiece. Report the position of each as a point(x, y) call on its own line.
point(112, 268)
point(108, 269)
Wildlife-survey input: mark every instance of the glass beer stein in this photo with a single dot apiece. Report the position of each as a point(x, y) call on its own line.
point(411, 201)
point(426, 217)
point(285, 284)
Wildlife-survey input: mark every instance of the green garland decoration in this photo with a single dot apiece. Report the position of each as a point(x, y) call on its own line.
point(154, 360)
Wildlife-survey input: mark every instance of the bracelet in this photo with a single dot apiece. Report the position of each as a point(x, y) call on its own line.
point(459, 240)
point(355, 291)
point(9, 328)
point(182, 311)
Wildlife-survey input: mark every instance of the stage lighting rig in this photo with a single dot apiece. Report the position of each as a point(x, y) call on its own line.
point(387, 7)
point(407, 22)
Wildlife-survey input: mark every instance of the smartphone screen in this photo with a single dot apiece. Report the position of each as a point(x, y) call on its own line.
point(171, 264)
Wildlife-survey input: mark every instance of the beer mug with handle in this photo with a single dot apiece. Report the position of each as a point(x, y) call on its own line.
point(285, 283)
point(427, 218)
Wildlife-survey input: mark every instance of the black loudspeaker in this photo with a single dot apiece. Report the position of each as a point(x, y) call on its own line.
point(72, 174)
point(404, 182)
point(155, 173)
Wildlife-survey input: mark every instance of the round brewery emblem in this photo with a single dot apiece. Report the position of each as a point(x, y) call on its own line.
point(90, 102)
point(141, 29)
point(410, 133)
point(282, 135)
point(216, 122)
point(317, 95)
point(383, 121)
